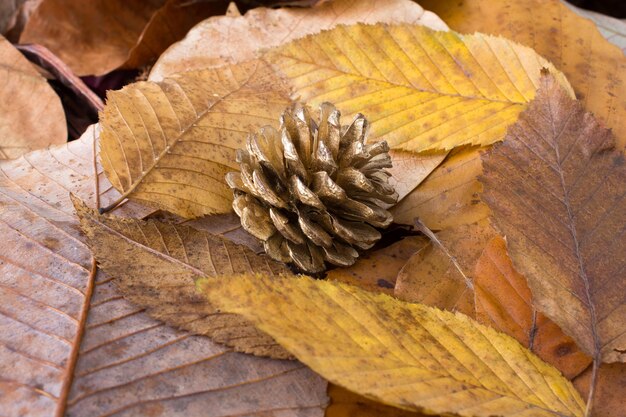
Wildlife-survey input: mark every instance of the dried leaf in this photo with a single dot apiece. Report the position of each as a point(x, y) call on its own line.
point(121, 361)
point(407, 355)
point(96, 38)
point(503, 301)
point(422, 89)
point(170, 144)
point(344, 403)
point(431, 277)
point(377, 271)
point(556, 188)
point(449, 197)
point(9, 11)
point(264, 28)
point(31, 115)
point(610, 389)
point(158, 271)
point(595, 68)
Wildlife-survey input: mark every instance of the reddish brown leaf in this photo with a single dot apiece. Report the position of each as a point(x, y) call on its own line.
point(610, 389)
point(556, 187)
point(503, 300)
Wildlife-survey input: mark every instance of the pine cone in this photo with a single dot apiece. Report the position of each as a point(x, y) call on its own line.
point(313, 193)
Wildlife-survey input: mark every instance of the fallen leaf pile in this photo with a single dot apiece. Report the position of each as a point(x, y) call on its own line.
point(128, 285)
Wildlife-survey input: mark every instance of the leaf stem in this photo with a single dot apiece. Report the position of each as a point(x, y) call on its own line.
point(592, 385)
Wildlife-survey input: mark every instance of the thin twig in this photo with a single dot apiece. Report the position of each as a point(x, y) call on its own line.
point(429, 233)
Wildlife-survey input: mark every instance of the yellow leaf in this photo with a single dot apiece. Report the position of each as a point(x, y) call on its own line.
point(170, 143)
point(421, 89)
point(407, 355)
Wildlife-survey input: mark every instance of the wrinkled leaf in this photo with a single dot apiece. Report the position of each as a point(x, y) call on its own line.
point(170, 144)
point(595, 68)
point(103, 35)
point(263, 28)
point(503, 301)
point(31, 115)
point(556, 187)
point(158, 269)
point(407, 355)
point(123, 362)
point(422, 89)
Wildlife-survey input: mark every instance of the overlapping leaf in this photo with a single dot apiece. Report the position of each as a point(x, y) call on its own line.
point(63, 352)
point(170, 144)
point(158, 271)
point(556, 188)
point(262, 28)
point(409, 355)
point(424, 90)
point(595, 68)
point(503, 301)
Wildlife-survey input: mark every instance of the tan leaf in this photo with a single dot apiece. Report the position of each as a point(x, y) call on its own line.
point(610, 389)
point(170, 144)
point(410, 169)
point(595, 68)
point(423, 90)
point(264, 28)
point(408, 355)
point(65, 353)
point(158, 271)
point(449, 197)
point(31, 115)
point(556, 187)
point(503, 301)
point(431, 277)
point(104, 35)
point(378, 270)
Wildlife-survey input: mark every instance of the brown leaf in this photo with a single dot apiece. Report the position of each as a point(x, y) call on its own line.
point(62, 352)
point(98, 37)
point(31, 115)
point(610, 389)
point(264, 28)
point(430, 277)
point(158, 268)
point(377, 271)
point(595, 68)
point(344, 403)
point(556, 188)
point(503, 301)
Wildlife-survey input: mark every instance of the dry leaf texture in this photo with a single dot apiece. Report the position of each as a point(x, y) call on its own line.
point(556, 188)
point(421, 89)
point(408, 355)
point(62, 352)
point(170, 144)
point(158, 269)
point(595, 68)
point(263, 28)
point(31, 115)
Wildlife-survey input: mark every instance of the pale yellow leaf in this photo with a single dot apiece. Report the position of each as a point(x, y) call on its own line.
point(408, 355)
point(421, 89)
point(170, 144)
